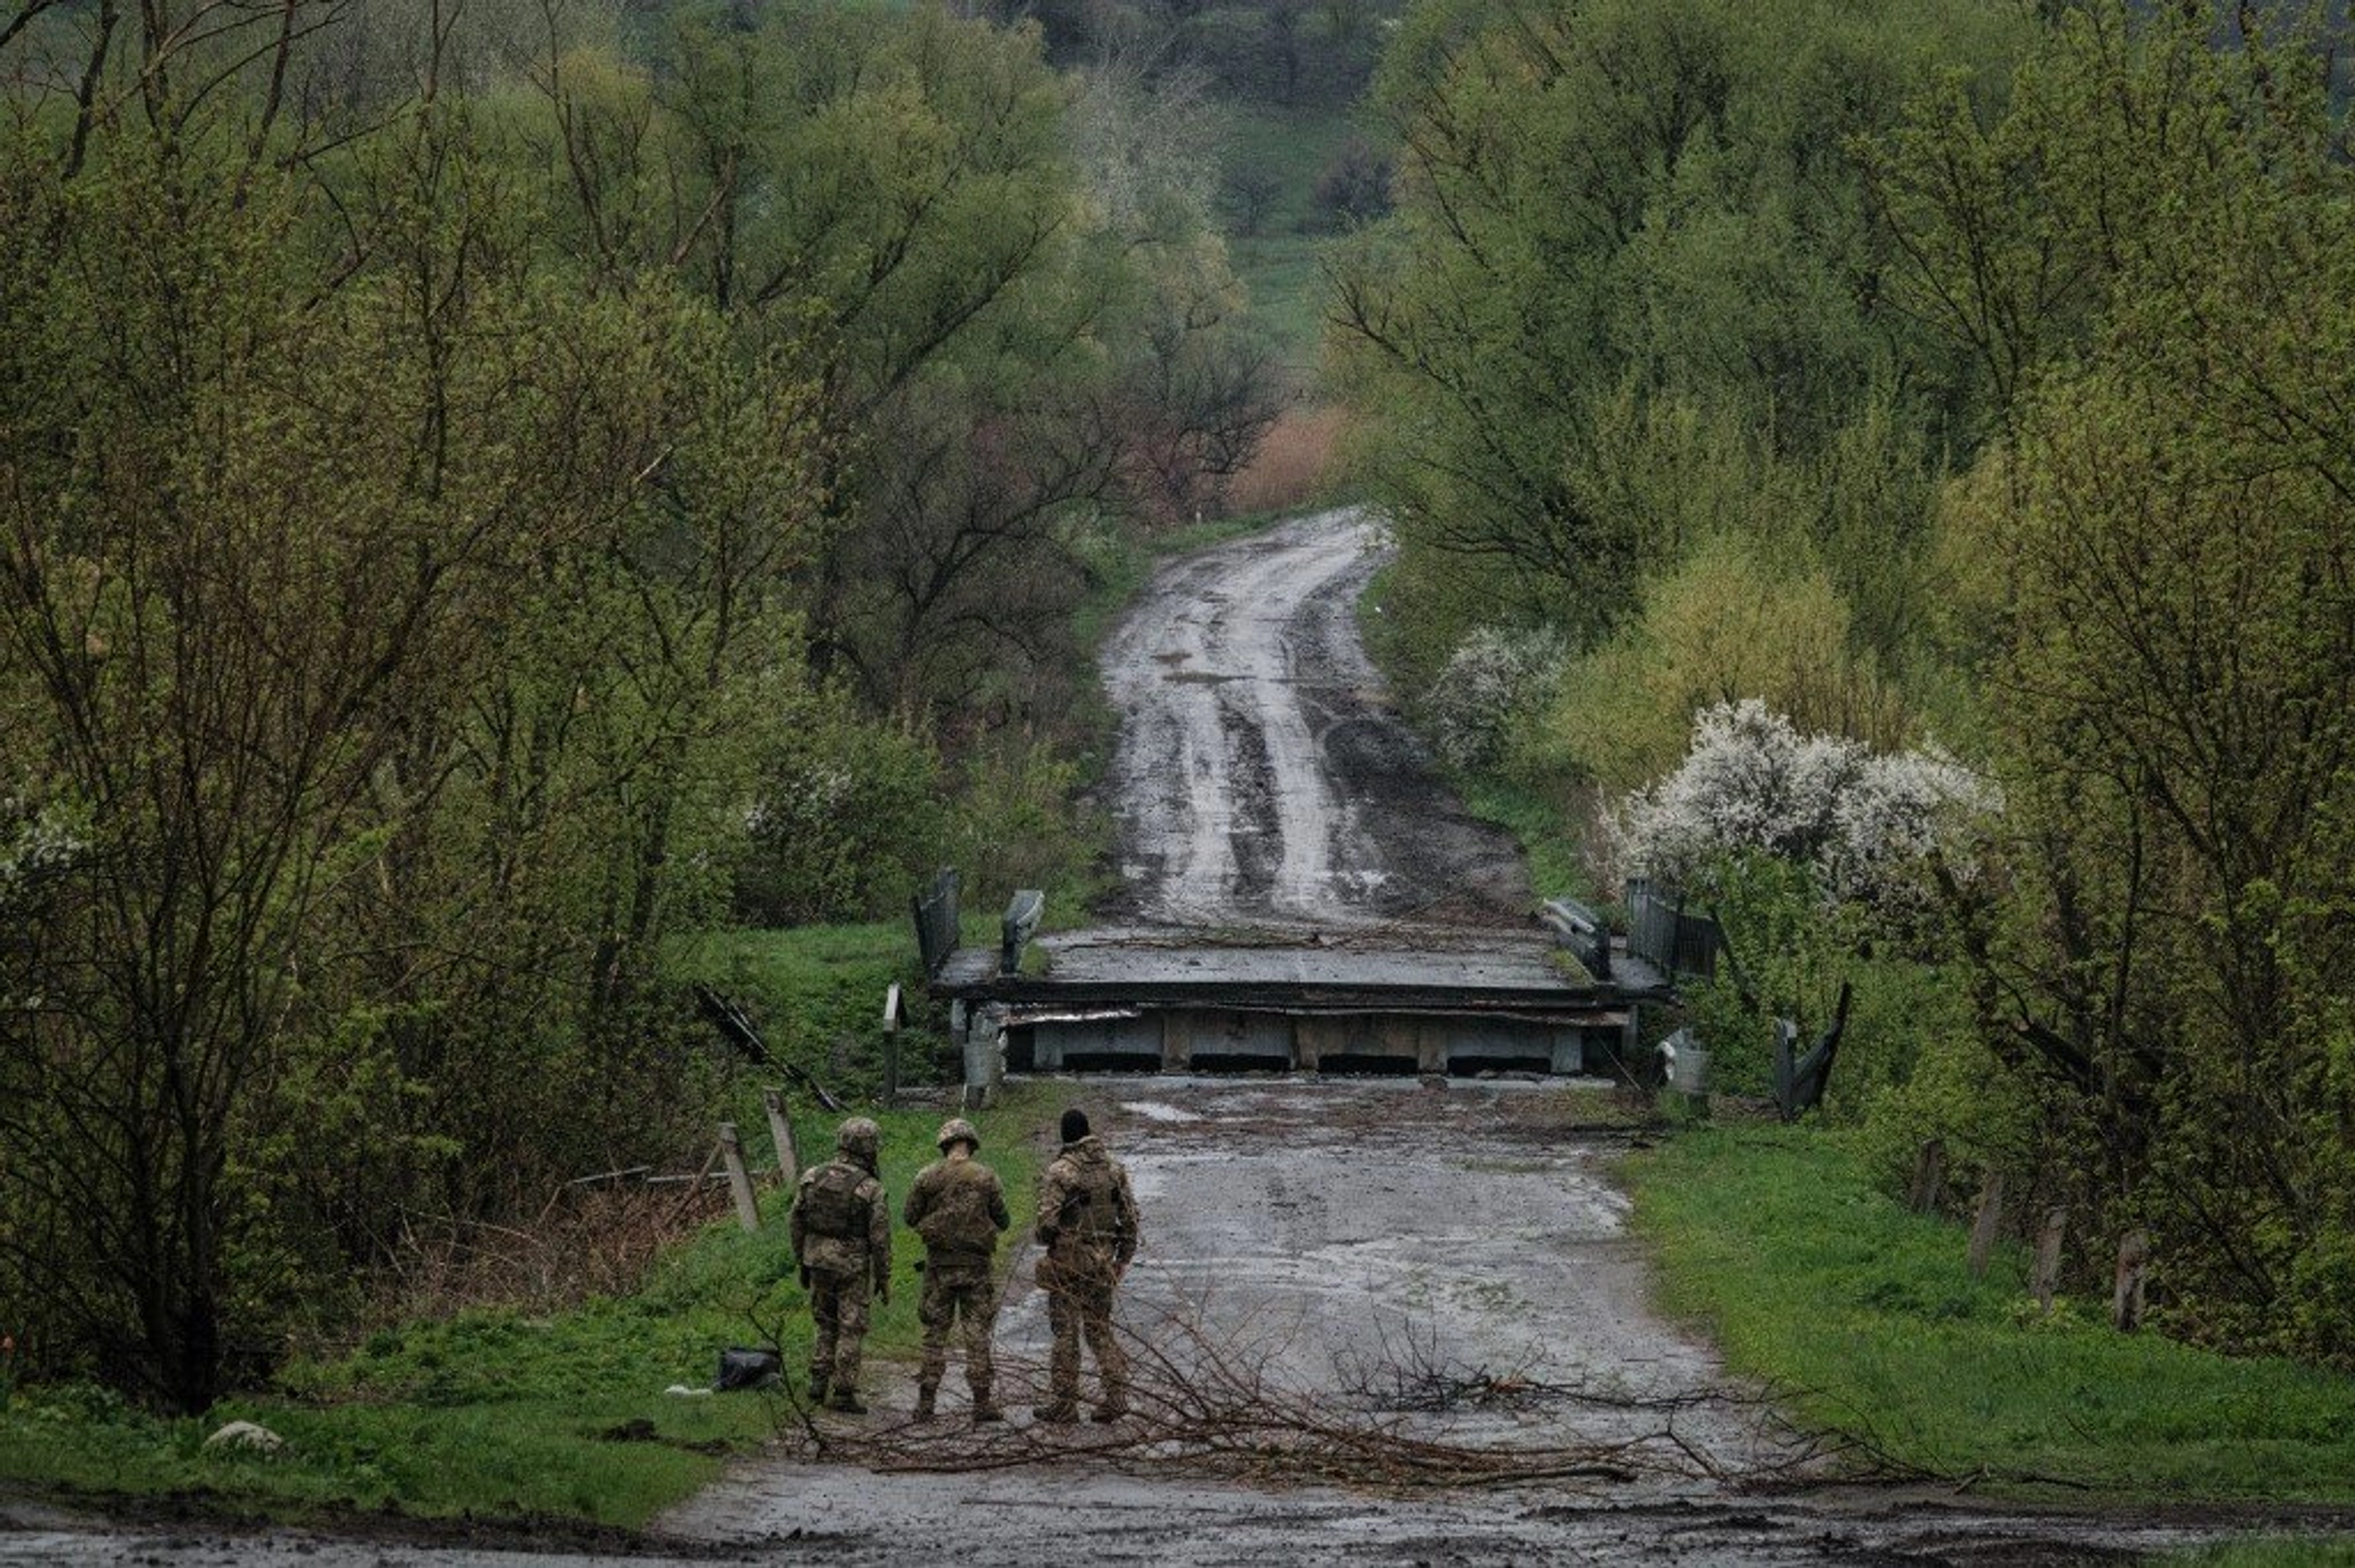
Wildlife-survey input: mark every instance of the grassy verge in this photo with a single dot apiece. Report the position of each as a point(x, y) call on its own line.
point(1775, 1241)
point(816, 995)
point(500, 1412)
point(1539, 825)
point(2284, 1552)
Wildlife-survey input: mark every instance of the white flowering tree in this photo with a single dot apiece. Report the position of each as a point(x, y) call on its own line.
point(1857, 821)
point(1809, 848)
point(1496, 679)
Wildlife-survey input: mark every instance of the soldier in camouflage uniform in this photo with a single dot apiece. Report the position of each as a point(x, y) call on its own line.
point(1087, 1224)
point(958, 1208)
point(842, 1239)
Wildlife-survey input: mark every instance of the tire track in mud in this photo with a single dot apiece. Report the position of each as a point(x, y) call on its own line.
point(1261, 777)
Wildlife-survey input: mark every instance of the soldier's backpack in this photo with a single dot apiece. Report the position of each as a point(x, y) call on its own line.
point(958, 1220)
point(830, 1203)
point(1092, 1213)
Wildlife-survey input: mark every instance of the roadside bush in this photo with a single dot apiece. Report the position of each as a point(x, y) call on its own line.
point(1860, 823)
point(1912, 1062)
point(848, 818)
point(1015, 827)
point(1737, 620)
point(1496, 684)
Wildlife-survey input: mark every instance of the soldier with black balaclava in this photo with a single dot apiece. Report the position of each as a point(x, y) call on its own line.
point(1087, 1226)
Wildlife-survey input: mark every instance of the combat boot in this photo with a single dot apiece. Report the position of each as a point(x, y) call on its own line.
point(985, 1408)
point(846, 1401)
point(1112, 1409)
point(1055, 1414)
point(925, 1395)
point(818, 1381)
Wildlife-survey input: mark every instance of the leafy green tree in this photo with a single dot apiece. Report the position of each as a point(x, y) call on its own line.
point(381, 602)
point(1015, 312)
point(2163, 959)
point(1608, 204)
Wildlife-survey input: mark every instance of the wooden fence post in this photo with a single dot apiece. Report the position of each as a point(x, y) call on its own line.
point(2126, 1291)
point(1929, 1176)
point(1989, 1220)
point(788, 1156)
point(740, 1180)
point(2047, 1279)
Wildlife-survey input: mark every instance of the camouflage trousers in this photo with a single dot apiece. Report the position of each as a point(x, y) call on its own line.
point(1079, 1283)
point(954, 1293)
point(838, 1306)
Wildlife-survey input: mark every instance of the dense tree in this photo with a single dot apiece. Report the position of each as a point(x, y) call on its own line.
point(1017, 312)
point(291, 553)
point(427, 463)
point(2175, 661)
point(1606, 206)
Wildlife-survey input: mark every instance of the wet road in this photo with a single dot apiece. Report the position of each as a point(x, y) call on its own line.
point(1262, 778)
point(1317, 1231)
point(1313, 1232)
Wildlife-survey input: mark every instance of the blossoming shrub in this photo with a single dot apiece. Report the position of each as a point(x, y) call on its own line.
point(1808, 849)
point(1860, 821)
point(1497, 682)
point(1738, 615)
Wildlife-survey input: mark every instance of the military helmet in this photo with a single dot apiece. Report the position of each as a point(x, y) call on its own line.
point(858, 1136)
point(958, 1129)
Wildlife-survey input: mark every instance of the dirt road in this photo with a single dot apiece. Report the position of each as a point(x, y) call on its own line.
point(1262, 778)
point(1351, 1246)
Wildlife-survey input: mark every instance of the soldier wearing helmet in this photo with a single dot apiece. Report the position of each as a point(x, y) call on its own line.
point(842, 1240)
point(958, 1207)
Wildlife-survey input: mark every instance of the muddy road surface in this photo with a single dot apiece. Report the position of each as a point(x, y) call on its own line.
point(1262, 778)
point(1448, 1266)
point(1381, 1321)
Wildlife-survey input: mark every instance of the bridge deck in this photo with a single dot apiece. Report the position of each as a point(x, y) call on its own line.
point(1430, 999)
point(1507, 971)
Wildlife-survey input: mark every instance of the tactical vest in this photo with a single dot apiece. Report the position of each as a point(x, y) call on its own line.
point(830, 1204)
point(1093, 1211)
point(958, 1220)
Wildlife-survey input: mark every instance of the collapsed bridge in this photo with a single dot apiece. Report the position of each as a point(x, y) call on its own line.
point(1299, 888)
point(1559, 998)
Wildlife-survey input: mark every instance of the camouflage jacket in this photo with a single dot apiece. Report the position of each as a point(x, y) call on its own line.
point(841, 1221)
point(958, 1207)
point(1084, 1203)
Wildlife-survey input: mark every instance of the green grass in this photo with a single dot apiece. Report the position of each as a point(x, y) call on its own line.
point(2269, 1551)
point(496, 1413)
point(815, 992)
point(1278, 264)
point(1295, 145)
point(1537, 823)
point(1284, 275)
point(1776, 1242)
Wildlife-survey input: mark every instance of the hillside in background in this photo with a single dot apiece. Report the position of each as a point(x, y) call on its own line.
point(1272, 87)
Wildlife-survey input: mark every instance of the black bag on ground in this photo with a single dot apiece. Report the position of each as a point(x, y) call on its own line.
point(744, 1367)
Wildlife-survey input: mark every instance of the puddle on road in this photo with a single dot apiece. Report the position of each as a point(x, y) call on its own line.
point(1156, 1111)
